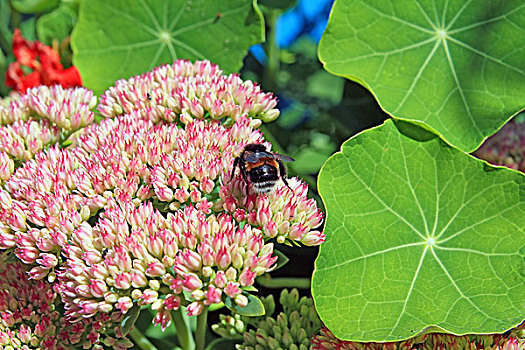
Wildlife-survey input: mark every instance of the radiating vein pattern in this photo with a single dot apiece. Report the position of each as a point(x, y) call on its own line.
point(419, 234)
point(116, 39)
point(442, 62)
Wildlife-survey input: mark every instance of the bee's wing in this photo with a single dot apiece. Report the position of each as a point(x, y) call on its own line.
point(252, 157)
point(283, 157)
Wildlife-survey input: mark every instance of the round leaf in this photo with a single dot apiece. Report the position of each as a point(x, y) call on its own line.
point(456, 65)
point(120, 38)
point(419, 234)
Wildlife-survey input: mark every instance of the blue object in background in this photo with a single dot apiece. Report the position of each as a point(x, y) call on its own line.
point(307, 17)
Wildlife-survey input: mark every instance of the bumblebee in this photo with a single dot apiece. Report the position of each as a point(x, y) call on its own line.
point(261, 168)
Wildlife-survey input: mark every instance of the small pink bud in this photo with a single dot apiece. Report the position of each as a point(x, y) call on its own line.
point(232, 289)
point(155, 269)
point(191, 282)
point(195, 308)
point(223, 259)
point(124, 304)
point(148, 297)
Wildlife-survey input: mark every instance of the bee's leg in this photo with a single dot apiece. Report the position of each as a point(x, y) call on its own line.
point(282, 173)
point(244, 176)
point(235, 165)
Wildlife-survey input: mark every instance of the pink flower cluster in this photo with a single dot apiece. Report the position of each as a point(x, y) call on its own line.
point(285, 214)
point(41, 117)
point(325, 340)
point(140, 208)
point(184, 91)
point(135, 254)
point(29, 317)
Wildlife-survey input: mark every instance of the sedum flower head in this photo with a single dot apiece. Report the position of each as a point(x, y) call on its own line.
point(41, 206)
point(135, 255)
point(286, 214)
point(41, 117)
point(30, 317)
point(185, 91)
point(139, 210)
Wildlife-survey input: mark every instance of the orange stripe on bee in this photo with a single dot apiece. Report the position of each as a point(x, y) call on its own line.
point(262, 161)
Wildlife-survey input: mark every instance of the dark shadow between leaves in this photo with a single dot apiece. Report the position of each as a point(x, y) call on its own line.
point(414, 130)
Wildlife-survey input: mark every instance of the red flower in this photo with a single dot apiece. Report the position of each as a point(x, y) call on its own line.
point(44, 64)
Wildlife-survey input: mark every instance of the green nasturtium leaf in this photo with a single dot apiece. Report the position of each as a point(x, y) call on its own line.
point(419, 234)
point(120, 38)
point(456, 65)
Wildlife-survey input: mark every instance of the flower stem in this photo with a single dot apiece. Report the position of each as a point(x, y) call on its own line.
point(200, 335)
point(284, 282)
point(183, 331)
point(140, 340)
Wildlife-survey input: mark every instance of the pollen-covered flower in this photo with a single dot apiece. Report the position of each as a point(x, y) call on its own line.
point(30, 317)
point(185, 91)
point(286, 213)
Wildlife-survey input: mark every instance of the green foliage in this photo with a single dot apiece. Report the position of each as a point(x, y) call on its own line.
point(293, 328)
point(129, 320)
point(57, 24)
point(456, 65)
point(281, 259)
point(118, 39)
point(223, 343)
point(419, 234)
point(34, 6)
point(255, 307)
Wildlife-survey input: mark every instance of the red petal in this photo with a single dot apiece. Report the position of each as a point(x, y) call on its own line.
point(67, 78)
point(24, 51)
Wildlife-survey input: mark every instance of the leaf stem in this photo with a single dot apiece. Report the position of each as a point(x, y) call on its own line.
point(272, 65)
point(141, 340)
point(284, 282)
point(200, 334)
point(183, 331)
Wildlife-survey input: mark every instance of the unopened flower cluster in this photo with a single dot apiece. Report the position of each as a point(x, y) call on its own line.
point(140, 209)
point(293, 328)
